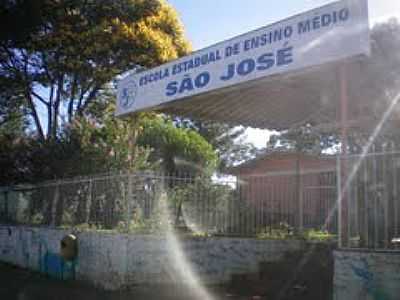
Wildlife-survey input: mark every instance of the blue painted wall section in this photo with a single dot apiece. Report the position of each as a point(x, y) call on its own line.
point(27, 248)
point(55, 266)
point(367, 275)
point(368, 280)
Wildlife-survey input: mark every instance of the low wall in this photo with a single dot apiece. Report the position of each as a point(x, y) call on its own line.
point(115, 261)
point(362, 275)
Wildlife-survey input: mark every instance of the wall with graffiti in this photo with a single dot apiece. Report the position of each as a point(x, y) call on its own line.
point(35, 249)
point(367, 275)
point(114, 261)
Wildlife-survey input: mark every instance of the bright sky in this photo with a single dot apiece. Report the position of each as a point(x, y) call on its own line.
point(210, 21)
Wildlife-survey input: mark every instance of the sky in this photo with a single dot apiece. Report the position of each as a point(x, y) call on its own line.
point(210, 21)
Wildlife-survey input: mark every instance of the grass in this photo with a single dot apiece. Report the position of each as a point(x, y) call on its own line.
point(283, 232)
point(279, 232)
point(319, 235)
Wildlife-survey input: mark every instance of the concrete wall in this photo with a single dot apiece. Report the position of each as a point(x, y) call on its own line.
point(114, 261)
point(367, 275)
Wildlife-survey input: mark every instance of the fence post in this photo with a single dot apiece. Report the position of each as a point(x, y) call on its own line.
point(6, 217)
point(128, 202)
point(385, 201)
point(301, 203)
point(299, 183)
point(55, 205)
point(89, 202)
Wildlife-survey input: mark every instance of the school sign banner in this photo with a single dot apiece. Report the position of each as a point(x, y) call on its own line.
point(330, 33)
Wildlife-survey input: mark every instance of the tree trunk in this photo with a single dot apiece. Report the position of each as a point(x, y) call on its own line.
point(35, 116)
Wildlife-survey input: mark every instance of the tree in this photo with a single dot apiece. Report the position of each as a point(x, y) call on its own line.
point(13, 120)
point(14, 159)
point(84, 149)
point(172, 149)
point(20, 18)
point(305, 139)
point(228, 141)
point(177, 149)
point(76, 47)
point(90, 144)
point(379, 86)
point(102, 143)
point(380, 78)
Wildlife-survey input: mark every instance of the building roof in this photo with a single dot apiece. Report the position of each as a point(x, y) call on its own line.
point(279, 154)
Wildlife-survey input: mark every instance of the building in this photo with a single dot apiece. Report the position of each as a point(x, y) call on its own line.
point(295, 188)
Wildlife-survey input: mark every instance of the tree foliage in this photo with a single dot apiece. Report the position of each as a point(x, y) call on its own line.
point(102, 143)
point(12, 113)
point(176, 149)
point(20, 18)
point(380, 78)
point(228, 141)
point(59, 60)
point(83, 149)
point(305, 139)
point(74, 48)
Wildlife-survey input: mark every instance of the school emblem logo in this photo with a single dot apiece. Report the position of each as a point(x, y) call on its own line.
point(127, 95)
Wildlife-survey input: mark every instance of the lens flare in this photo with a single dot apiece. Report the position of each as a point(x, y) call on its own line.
point(184, 270)
point(387, 113)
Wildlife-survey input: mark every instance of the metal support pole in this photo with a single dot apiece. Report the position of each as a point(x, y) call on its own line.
point(395, 198)
point(343, 200)
point(339, 200)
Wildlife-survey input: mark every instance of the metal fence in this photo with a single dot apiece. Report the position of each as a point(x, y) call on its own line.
point(305, 200)
point(370, 190)
point(369, 211)
point(145, 201)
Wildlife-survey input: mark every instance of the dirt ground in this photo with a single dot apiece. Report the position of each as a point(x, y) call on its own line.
point(302, 276)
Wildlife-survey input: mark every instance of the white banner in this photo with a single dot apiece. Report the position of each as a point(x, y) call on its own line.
point(333, 32)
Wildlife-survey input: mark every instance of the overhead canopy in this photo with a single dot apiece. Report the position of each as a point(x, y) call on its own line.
point(275, 77)
point(280, 102)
